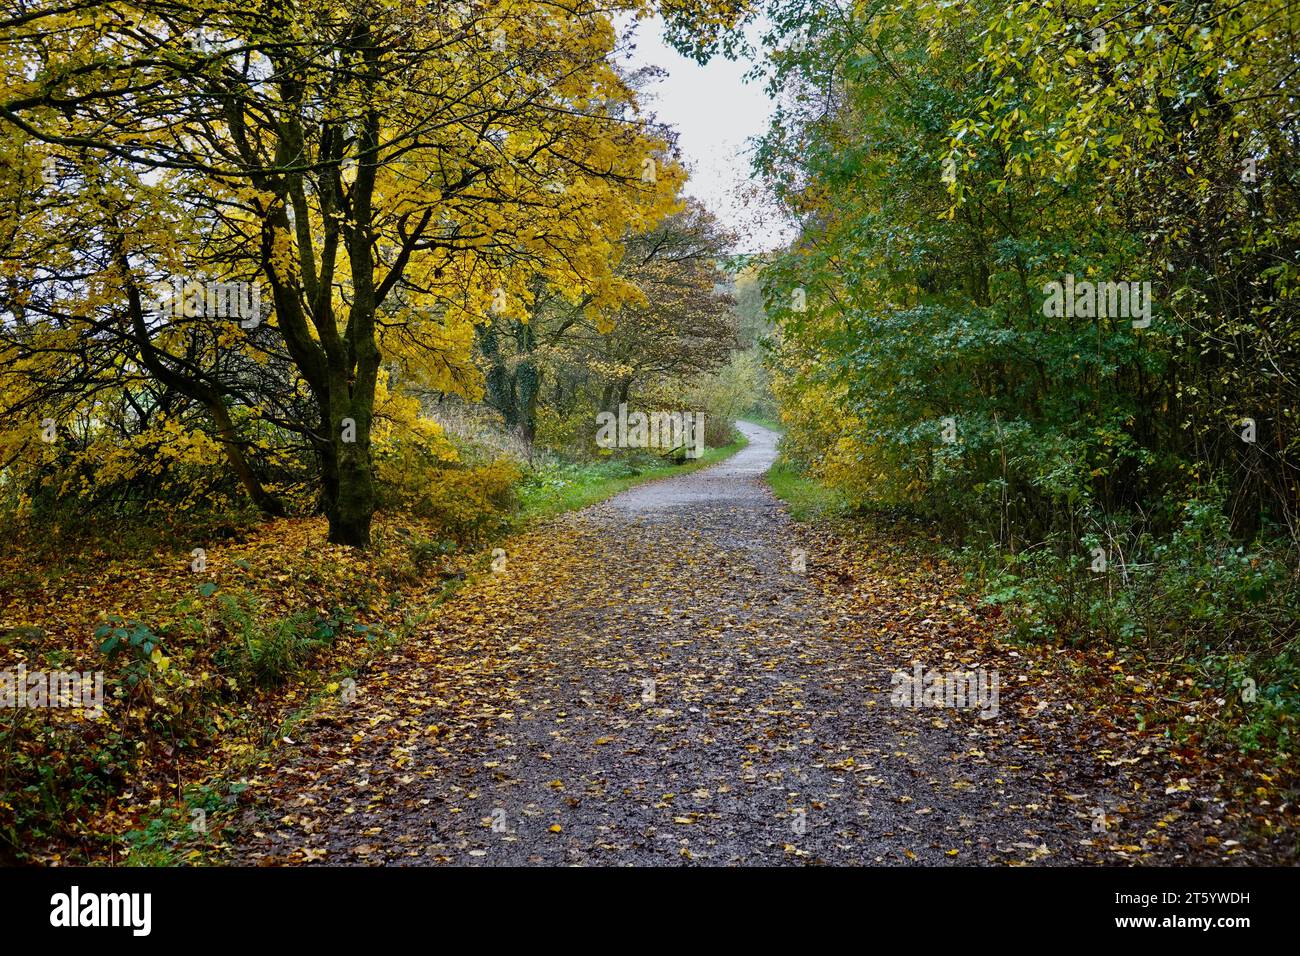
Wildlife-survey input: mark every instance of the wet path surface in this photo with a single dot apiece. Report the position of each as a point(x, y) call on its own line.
point(649, 682)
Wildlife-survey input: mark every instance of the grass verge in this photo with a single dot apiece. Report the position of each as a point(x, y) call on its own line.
point(806, 497)
point(557, 489)
point(773, 424)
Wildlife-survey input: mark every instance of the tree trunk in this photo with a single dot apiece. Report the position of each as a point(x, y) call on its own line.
point(528, 384)
point(349, 519)
point(348, 495)
point(354, 504)
point(498, 383)
point(266, 502)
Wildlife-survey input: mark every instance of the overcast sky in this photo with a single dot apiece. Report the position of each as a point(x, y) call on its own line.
point(715, 112)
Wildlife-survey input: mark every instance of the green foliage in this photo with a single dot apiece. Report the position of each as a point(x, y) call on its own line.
point(172, 686)
point(730, 393)
point(971, 155)
point(428, 551)
point(266, 651)
point(1200, 595)
point(60, 775)
point(569, 432)
point(805, 497)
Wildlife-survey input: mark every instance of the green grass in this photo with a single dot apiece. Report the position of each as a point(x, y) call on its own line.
point(773, 423)
point(569, 487)
point(807, 497)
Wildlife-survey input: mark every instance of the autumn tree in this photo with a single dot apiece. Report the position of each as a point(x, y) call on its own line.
point(686, 325)
point(388, 172)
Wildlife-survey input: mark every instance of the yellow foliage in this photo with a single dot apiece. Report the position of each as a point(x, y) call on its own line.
point(466, 503)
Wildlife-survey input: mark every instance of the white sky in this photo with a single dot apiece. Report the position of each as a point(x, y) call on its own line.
point(715, 112)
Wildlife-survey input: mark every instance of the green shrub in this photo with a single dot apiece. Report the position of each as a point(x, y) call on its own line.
point(1226, 608)
point(265, 652)
point(426, 552)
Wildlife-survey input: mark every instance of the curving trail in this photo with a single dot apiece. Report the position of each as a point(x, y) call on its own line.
point(648, 682)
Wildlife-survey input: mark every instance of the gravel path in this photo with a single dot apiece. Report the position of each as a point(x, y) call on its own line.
point(649, 682)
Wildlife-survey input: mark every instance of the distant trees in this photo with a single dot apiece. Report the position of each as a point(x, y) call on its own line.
point(576, 362)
